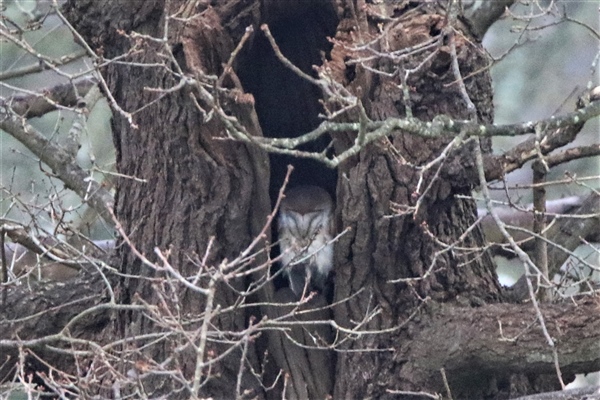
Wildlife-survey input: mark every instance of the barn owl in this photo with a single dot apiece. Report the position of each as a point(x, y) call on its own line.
point(305, 232)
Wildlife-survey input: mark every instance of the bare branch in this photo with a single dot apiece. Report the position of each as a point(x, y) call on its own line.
point(39, 67)
point(46, 100)
point(574, 153)
point(539, 224)
point(61, 162)
point(563, 130)
point(558, 136)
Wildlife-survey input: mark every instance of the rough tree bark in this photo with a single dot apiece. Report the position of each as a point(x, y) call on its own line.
point(190, 175)
point(380, 249)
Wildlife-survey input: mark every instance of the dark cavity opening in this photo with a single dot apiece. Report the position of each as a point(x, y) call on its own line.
point(287, 105)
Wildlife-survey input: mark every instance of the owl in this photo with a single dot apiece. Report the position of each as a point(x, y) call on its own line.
point(305, 227)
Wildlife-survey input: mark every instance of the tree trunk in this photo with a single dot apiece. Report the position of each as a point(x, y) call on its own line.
point(196, 187)
point(382, 247)
point(199, 189)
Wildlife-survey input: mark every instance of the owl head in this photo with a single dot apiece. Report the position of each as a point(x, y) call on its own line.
point(305, 210)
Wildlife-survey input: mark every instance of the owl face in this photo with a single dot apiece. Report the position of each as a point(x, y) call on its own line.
point(304, 227)
point(305, 216)
point(305, 234)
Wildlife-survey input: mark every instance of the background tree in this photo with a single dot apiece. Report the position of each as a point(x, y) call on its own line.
point(207, 114)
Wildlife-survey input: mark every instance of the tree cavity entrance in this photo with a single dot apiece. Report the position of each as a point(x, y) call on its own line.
point(286, 104)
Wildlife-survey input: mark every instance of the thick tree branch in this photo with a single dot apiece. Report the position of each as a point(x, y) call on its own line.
point(558, 135)
point(39, 67)
point(562, 130)
point(484, 13)
point(522, 217)
point(39, 103)
point(573, 153)
point(43, 309)
point(504, 339)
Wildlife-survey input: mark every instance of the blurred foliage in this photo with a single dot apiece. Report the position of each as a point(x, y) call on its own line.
point(29, 192)
point(544, 76)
